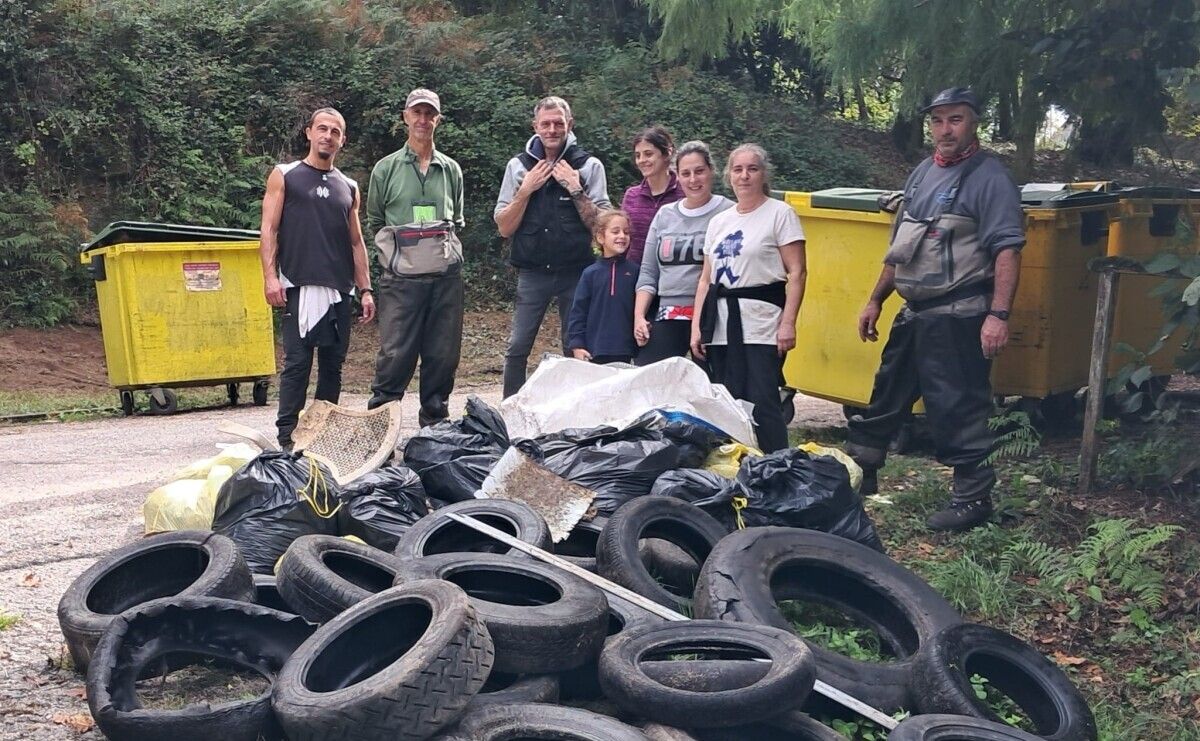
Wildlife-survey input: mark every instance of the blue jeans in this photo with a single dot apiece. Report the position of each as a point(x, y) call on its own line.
point(535, 290)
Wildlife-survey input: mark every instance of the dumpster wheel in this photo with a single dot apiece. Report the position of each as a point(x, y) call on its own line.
point(231, 389)
point(127, 403)
point(260, 392)
point(163, 401)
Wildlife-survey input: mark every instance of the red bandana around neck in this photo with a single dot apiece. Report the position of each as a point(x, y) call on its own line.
point(954, 159)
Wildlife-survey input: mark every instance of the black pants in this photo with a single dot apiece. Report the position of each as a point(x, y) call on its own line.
point(669, 338)
point(937, 358)
point(419, 318)
point(331, 339)
point(606, 359)
point(760, 387)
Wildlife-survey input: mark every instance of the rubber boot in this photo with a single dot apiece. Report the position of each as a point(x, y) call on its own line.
point(971, 504)
point(870, 460)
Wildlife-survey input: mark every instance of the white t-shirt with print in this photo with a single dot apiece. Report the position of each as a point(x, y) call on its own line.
point(744, 249)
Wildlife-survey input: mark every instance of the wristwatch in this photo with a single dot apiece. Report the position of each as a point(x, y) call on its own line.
point(999, 314)
point(364, 291)
point(575, 193)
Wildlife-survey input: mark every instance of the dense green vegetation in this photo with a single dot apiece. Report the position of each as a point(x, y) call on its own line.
point(174, 111)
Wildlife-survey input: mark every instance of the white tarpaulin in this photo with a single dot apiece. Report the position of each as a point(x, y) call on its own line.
point(564, 393)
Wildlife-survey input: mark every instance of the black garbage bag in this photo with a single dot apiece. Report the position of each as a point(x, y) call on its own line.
point(382, 504)
point(454, 457)
point(689, 484)
point(793, 488)
point(616, 464)
point(694, 437)
point(263, 508)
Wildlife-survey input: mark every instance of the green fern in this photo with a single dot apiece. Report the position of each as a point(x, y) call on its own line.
point(1019, 438)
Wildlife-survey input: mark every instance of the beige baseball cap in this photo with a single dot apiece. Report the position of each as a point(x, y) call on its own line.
point(422, 95)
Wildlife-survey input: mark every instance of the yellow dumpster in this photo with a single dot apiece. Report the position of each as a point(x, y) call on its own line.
point(1149, 221)
point(1050, 331)
point(1050, 328)
point(181, 306)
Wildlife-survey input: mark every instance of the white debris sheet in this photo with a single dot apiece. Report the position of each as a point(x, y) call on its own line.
point(565, 393)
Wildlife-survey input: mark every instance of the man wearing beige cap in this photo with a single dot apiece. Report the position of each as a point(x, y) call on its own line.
point(415, 209)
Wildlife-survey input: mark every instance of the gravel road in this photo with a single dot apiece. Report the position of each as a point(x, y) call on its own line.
point(73, 491)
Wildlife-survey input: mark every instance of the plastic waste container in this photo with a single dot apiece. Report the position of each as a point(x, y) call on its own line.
point(181, 306)
point(1149, 221)
point(844, 247)
point(1050, 329)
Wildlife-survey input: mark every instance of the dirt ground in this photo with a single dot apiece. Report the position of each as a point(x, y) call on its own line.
point(74, 491)
point(71, 358)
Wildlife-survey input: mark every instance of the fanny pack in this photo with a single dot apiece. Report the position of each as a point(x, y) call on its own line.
point(419, 249)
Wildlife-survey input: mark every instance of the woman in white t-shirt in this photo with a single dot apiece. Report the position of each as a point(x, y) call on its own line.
point(750, 289)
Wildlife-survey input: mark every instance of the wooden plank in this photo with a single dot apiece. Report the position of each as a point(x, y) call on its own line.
point(821, 688)
point(1106, 306)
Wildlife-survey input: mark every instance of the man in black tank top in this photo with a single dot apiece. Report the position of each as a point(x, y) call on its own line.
point(313, 256)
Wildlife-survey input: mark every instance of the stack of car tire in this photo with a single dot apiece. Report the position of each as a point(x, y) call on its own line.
point(453, 636)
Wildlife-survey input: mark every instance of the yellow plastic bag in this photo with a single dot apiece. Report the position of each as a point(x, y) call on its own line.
point(186, 504)
point(856, 473)
point(725, 460)
point(235, 456)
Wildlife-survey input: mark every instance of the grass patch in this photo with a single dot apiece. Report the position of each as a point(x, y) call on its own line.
point(205, 682)
point(1103, 586)
point(830, 629)
point(71, 406)
point(8, 620)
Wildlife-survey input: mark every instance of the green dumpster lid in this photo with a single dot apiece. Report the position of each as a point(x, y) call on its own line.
point(1164, 192)
point(122, 232)
point(848, 199)
point(1064, 198)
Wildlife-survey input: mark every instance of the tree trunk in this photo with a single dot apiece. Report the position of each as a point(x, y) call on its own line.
point(908, 134)
point(860, 101)
point(1005, 125)
point(1027, 118)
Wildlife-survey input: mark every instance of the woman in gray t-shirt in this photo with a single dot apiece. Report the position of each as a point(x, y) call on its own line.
point(674, 258)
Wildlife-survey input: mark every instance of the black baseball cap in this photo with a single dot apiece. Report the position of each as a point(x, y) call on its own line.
point(953, 96)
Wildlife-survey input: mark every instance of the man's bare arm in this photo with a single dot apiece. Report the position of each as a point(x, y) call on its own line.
point(272, 212)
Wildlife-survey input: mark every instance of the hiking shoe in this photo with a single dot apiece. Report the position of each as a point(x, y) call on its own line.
point(870, 482)
point(961, 516)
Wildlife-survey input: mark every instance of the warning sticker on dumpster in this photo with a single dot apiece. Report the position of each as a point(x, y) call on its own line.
point(202, 276)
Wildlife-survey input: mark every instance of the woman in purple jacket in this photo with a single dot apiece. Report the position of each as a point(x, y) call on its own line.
point(652, 152)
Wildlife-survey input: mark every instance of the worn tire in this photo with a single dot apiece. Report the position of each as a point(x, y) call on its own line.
point(750, 569)
point(580, 545)
point(670, 564)
point(322, 575)
point(266, 593)
point(508, 689)
point(541, 620)
point(401, 664)
point(938, 727)
point(583, 683)
point(943, 667)
point(536, 720)
point(238, 633)
point(793, 725)
point(435, 533)
point(185, 563)
point(784, 686)
point(674, 520)
point(719, 675)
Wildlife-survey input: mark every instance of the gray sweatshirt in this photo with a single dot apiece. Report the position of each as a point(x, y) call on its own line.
point(674, 256)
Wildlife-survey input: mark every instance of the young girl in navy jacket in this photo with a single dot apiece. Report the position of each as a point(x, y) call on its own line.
point(601, 320)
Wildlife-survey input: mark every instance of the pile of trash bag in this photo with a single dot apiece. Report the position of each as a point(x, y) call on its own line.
point(380, 506)
point(794, 488)
point(271, 501)
point(453, 458)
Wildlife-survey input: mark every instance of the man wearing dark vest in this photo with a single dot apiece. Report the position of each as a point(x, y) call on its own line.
point(954, 257)
point(415, 209)
point(548, 200)
point(313, 256)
